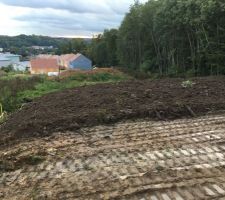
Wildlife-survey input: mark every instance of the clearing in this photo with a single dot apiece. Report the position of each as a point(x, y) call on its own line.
point(142, 140)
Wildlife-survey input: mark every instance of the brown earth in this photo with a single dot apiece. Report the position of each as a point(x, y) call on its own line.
point(85, 106)
point(141, 160)
point(138, 159)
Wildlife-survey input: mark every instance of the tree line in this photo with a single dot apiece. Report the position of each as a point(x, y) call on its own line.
point(166, 37)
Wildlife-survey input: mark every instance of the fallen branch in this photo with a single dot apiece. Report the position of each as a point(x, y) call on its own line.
point(190, 111)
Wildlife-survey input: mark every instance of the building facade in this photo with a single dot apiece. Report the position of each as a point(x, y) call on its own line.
point(44, 66)
point(7, 59)
point(81, 62)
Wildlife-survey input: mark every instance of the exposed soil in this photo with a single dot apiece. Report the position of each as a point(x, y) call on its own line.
point(108, 103)
point(139, 159)
point(182, 159)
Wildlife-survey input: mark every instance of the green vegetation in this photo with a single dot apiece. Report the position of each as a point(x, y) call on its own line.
point(187, 84)
point(17, 89)
point(163, 38)
point(22, 44)
point(28, 41)
point(54, 85)
point(174, 37)
point(166, 38)
point(11, 85)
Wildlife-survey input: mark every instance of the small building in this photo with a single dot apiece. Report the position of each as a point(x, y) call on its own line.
point(7, 59)
point(75, 61)
point(1, 49)
point(13, 57)
point(21, 66)
point(44, 66)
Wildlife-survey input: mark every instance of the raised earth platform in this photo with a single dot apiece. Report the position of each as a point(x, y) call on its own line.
point(142, 160)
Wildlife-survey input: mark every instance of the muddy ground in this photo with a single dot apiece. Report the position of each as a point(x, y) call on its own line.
point(142, 160)
point(154, 158)
point(73, 109)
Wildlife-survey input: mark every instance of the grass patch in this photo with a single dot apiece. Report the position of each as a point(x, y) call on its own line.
point(17, 89)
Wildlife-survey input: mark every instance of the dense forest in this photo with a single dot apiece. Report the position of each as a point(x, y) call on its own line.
point(167, 37)
point(30, 40)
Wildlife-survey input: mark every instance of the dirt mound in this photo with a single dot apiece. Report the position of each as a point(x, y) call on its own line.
point(107, 103)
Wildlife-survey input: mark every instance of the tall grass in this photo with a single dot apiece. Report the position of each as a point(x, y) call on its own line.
point(11, 87)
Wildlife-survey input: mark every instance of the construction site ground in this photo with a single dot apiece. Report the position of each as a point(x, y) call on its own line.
point(161, 156)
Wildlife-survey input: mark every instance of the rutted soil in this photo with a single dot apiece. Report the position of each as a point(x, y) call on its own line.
point(86, 106)
point(142, 160)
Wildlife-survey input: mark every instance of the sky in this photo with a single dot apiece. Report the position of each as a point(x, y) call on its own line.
point(61, 18)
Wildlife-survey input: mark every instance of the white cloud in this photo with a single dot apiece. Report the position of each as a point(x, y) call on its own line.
point(61, 17)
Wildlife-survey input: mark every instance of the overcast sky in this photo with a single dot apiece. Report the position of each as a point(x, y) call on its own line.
point(61, 17)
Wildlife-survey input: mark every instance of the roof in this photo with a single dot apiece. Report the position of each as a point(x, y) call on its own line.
point(69, 57)
point(44, 63)
point(47, 56)
point(4, 59)
point(8, 55)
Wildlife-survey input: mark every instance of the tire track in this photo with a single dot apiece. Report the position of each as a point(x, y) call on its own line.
point(176, 160)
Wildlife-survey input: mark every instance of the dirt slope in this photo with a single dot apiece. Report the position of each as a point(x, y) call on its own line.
point(106, 103)
point(142, 160)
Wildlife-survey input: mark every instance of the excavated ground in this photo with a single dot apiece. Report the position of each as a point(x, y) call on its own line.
point(87, 106)
point(70, 145)
point(142, 160)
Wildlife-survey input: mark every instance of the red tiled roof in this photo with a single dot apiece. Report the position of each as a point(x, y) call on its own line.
point(45, 64)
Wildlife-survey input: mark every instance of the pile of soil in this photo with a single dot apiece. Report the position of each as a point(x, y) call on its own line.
point(72, 109)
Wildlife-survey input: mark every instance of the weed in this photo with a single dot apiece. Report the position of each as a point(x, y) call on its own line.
point(187, 84)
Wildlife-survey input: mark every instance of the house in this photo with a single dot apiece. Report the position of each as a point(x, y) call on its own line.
point(64, 60)
point(1, 49)
point(7, 59)
point(75, 61)
point(52, 64)
point(81, 62)
point(21, 66)
point(44, 66)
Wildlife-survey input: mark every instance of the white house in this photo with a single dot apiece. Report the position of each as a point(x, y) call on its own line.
point(7, 59)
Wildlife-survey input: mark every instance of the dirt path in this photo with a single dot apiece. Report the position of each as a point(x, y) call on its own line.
point(143, 160)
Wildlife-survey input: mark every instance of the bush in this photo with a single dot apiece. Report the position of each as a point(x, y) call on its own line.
point(8, 69)
point(10, 88)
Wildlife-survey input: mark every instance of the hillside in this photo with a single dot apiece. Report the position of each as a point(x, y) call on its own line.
point(32, 40)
